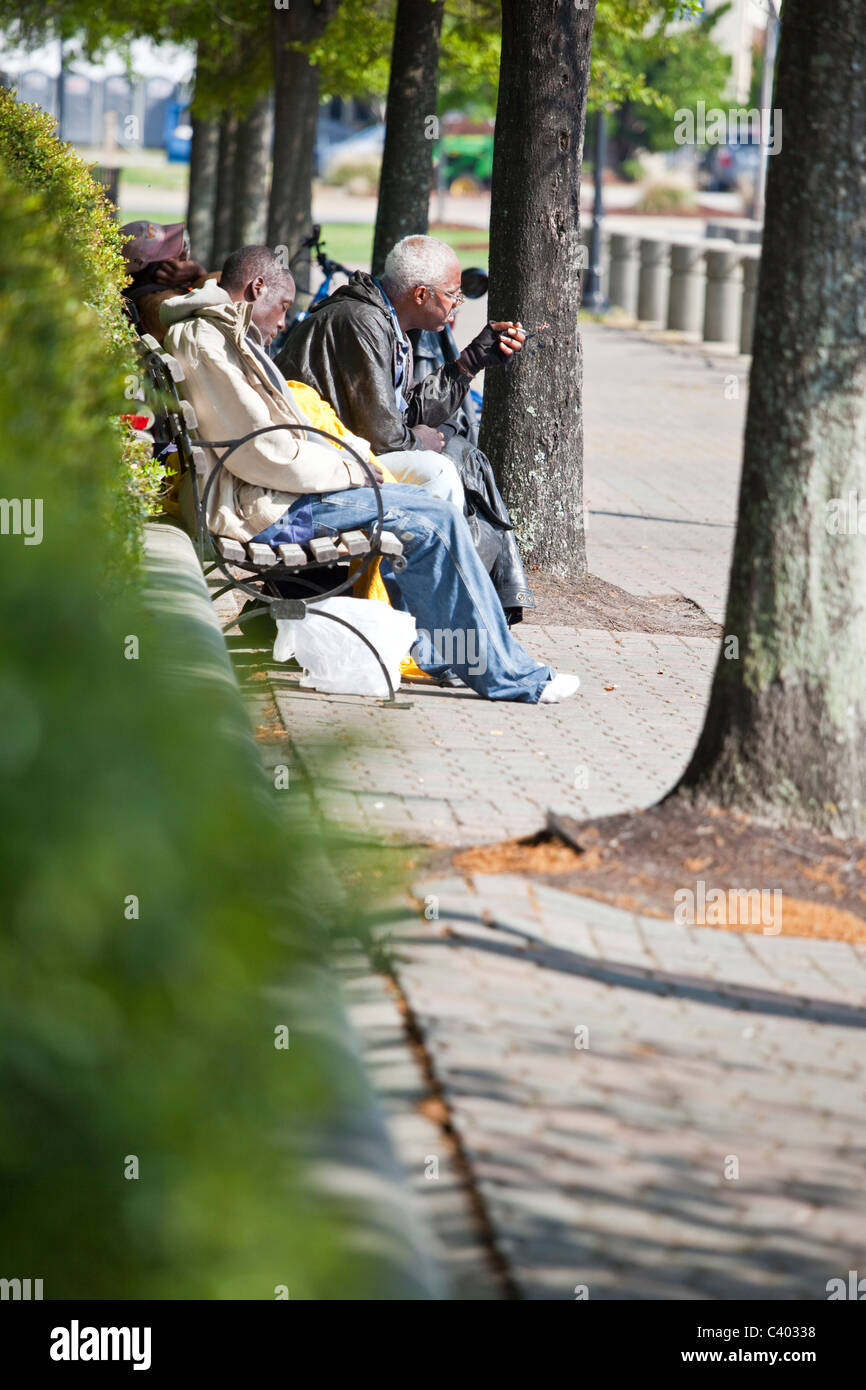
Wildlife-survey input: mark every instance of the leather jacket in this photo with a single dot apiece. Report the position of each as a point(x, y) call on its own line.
point(486, 512)
point(346, 349)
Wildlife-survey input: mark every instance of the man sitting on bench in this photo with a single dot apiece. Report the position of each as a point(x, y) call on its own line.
point(284, 486)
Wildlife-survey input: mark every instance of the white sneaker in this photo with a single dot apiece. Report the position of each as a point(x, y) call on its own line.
point(560, 688)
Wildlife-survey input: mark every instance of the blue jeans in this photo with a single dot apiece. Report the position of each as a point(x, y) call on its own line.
point(444, 586)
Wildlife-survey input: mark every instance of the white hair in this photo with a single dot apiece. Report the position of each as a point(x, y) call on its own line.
point(417, 260)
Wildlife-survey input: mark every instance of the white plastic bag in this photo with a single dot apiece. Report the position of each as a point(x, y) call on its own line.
point(334, 659)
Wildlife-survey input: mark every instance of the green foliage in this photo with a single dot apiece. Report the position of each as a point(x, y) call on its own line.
point(234, 60)
point(471, 48)
point(148, 1035)
point(88, 234)
point(354, 53)
point(625, 35)
point(677, 68)
point(632, 170)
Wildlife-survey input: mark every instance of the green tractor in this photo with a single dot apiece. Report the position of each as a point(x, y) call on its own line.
point(468, 162)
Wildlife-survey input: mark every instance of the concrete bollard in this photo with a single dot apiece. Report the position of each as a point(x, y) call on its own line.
point(687, 289)
point(624, 274)
point(655, 273)
point(723, 306)
point(751, 271)
point(586, 252)
point(745, 231)
point(605, 260)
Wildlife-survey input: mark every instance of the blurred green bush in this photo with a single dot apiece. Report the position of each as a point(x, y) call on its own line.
point(91, 242)
point(665, 197)
point(148, 1035)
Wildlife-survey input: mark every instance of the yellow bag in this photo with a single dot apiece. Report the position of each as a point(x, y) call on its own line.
point(369, 584)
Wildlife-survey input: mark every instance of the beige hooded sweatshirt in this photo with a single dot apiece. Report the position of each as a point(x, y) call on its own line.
point(232, 394)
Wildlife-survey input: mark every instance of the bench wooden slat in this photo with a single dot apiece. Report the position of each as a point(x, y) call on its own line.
point(292, 555)
point(389, 544)
point(232, 551)
point(324, 551)
point(261, 554)
point(354, 542)
point(175, 370)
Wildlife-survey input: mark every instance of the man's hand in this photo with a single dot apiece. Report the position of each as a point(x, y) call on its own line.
point(429, 438)
point(496, 344)
point(176, 274)
point(377, 473)
point(511, 339)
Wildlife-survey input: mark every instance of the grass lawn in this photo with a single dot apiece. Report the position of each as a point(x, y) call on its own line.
point(349, 242)
point(162, 176)
point(352, 243)
point(128, 213)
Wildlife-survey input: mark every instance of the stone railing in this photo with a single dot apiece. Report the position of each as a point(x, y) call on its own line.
point(705, 289)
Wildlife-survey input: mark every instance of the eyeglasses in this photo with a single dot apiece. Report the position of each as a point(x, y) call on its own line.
point(457, 298)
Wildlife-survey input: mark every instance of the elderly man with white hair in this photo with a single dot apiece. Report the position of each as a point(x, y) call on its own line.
point(354, 349)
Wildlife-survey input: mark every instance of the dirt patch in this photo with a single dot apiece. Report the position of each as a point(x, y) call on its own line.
point(678, 863)
point(593, 602)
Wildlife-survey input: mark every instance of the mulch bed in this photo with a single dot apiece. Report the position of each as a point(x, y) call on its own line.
point(590, 602)
point(639, 860)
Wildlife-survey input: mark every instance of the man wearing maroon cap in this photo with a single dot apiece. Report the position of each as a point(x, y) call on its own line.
point(158, 259)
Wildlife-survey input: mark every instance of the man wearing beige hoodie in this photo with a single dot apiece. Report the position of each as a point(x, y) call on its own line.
point(290, 485)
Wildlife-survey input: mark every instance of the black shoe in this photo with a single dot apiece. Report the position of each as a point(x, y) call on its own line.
point(261, 630)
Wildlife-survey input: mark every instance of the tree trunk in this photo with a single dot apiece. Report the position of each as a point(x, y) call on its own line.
point(532, 426)
point(222, 224)
point(202, 187)
point(410, 126)
point(296, 109)
point(250, 191)
point(785, 734)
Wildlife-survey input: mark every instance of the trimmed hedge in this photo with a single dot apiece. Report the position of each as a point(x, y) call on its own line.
point(90, 241)
point(154, 894)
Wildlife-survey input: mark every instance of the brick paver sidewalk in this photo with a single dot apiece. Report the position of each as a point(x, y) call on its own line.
point(703, 1143)
point(648, 1110)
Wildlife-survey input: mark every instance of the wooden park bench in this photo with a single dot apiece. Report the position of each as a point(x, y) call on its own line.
point(285, 579)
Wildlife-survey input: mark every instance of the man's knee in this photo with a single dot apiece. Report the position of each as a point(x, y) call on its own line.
point(425, 468)
point(445, 478)
point(438, 464)
point(433, 514)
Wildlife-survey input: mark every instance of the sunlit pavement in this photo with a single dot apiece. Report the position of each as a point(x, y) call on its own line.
point(640, 1109)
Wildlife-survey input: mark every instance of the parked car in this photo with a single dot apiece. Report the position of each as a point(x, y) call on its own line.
point(730, 166)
